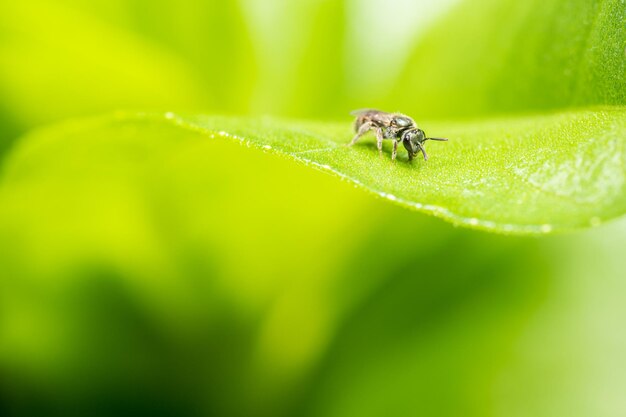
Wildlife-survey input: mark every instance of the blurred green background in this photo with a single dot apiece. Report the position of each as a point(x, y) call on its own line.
point(171, 276)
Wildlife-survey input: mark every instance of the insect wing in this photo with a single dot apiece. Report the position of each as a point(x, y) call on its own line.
point(369, 112)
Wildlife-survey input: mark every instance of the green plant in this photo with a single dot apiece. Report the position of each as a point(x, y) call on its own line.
point(163, 260)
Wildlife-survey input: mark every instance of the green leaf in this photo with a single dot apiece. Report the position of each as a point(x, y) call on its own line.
point(58, 62)
point(293, 68)
point(210, 36)
point(132, 234)
point(517, 56)
point(519, 175)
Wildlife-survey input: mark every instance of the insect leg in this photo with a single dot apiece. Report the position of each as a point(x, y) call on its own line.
point(379, 140)
point(395, 150)
point(423, 151)
point(363, 129)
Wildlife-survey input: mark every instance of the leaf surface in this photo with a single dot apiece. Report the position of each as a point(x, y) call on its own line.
point(528, 175)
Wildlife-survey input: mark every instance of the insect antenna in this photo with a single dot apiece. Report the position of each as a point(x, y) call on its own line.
point(439, 139)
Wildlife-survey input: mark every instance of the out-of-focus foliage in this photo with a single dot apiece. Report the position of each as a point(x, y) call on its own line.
point(147, 269)
point(69, 58)
point(497, 56)
point(58, 62)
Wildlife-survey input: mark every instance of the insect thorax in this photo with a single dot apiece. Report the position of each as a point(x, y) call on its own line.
point(391, 132)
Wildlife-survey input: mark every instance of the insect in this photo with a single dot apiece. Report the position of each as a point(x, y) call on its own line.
point(395, 126)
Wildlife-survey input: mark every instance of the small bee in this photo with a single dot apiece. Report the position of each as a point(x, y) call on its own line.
point(395, 126)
